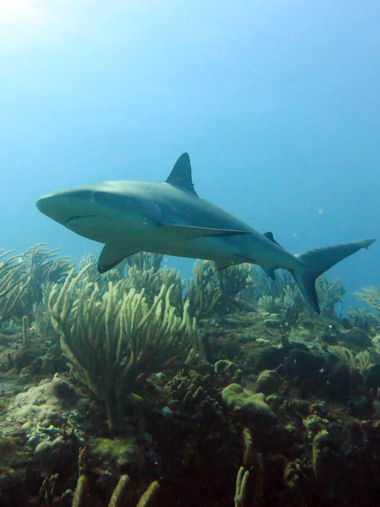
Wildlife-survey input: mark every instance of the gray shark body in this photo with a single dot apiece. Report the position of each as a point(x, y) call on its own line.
point(170, 218)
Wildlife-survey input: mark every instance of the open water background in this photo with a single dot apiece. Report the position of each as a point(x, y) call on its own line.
point(277, 103)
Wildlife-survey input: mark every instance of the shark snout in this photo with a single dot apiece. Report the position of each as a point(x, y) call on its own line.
point(47, 204)
point(63, 206)
point(44, 204)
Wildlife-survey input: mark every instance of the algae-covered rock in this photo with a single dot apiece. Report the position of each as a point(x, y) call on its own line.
point(228, 370)
point(314, 424)
point(270, 358)
point(373, 376)
point(361, 407)
point(302, 364)
point(338, 381)
point(242, 400)
point(357, 338)
point(320, 454)
point(268, 381)
point(49, 446)
point(41, 413)
point(123, 450)
point(39, 406)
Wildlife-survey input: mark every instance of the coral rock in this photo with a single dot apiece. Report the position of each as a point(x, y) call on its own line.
point(357, 338)
point(242, 400)
point(268, 381)
point(373, 376)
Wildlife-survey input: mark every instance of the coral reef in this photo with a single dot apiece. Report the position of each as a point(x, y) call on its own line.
point(137, 387)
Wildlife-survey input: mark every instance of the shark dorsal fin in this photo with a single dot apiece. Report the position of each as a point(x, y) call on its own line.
point(180, 176)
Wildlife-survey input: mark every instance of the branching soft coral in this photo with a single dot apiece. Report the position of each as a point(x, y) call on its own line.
point(115, 339)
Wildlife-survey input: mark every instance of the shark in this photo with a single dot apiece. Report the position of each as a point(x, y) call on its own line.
point(170, 218)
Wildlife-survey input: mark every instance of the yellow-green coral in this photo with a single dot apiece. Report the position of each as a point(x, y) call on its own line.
point(145, 260)
point(92, 274)
point(214, 291)
point(116, 339)
point(364, 318)
point(233, 279)
point(371, 296)
point(13, 282)
point(22, 278)
point(361, 361)
point(203, 292)
point(152, 280)
point(329, 294)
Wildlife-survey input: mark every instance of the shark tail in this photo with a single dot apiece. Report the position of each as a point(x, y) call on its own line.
point(316, 262)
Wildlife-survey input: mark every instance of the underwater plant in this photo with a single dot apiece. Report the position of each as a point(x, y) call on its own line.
point(115, 340)
point(282, 287)
point(364, 318)
point(370, 296)
point(41, 321)
point(203, 291)
point(215, 291)
point(269, 304)
point(42, 265)
point(233, 279)
point(92, 274)
point(152, 280)
point(22, 278)
point(329, 295)
point(141, 271)
point(13, 283)
point(360, 361)
point(145, 260)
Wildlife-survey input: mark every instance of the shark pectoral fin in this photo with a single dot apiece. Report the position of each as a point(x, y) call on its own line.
point(189, 231)
point(110, 256)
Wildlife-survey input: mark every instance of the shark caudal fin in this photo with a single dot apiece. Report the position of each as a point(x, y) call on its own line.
point(318, 261)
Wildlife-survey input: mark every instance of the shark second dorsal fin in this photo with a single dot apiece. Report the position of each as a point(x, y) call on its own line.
point(180, 176)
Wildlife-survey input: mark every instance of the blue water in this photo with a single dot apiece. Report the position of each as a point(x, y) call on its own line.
point(277, 103)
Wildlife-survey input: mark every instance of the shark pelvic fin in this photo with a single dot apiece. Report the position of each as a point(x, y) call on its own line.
point(269, 235)
point(269, 272)
point(110, 257)
point(180, 175)
point(189, 231)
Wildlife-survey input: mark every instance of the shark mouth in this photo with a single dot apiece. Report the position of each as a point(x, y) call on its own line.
point(79, 217)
